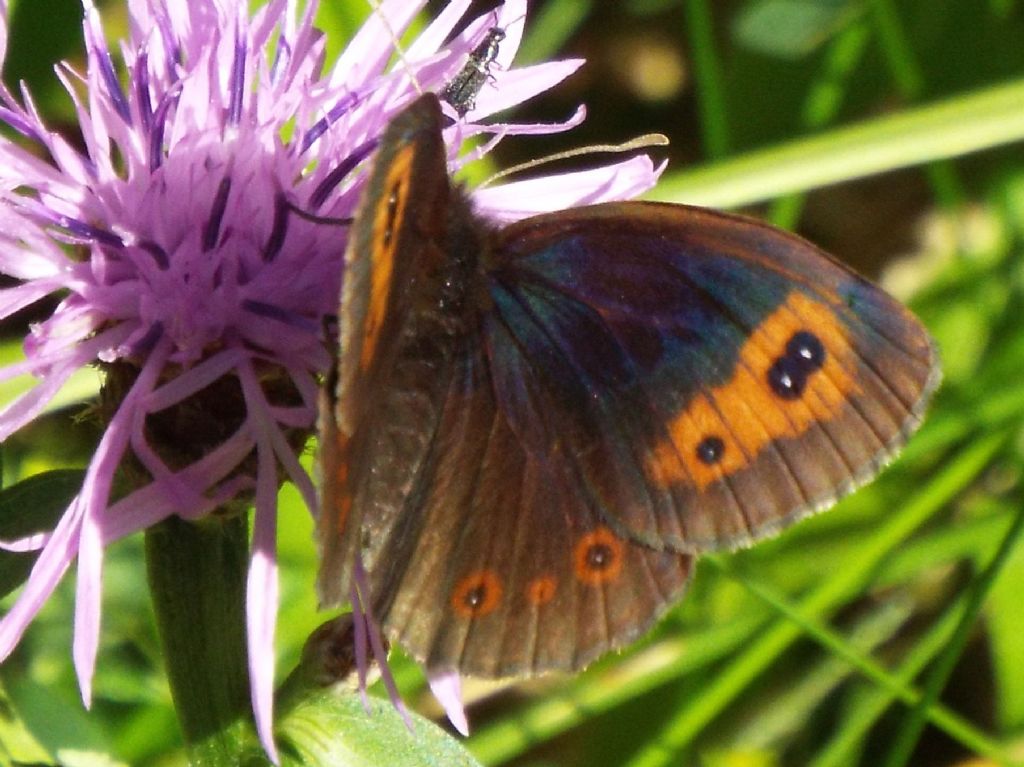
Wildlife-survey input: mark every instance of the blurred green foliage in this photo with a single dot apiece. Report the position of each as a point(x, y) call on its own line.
point(888, 631)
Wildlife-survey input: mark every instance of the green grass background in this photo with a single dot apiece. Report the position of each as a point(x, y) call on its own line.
point(889, 631)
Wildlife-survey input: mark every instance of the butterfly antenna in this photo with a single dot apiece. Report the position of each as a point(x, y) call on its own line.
point(511, 22)
point(396, 43)
point(640, 142)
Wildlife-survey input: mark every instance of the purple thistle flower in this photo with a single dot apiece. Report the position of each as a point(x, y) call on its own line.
point(191, 267)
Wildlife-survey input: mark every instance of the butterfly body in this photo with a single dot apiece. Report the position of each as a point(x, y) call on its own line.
point(535, 428)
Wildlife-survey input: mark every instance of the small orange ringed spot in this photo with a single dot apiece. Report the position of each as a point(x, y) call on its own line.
point(597, 557)
point(541, 590)
point(477, 594)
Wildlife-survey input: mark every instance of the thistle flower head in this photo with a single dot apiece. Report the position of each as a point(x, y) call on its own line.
point(170, 230)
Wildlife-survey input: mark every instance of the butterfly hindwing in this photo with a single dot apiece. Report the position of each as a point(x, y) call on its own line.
point(520, 569)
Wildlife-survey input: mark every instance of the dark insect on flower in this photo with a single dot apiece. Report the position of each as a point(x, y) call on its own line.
point(461, 91)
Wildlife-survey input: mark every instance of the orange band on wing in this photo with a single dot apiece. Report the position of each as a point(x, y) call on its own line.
point(387, 220)
point(724, 428)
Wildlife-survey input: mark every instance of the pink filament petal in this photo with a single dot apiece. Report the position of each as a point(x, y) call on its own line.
point(361, 587)
point(361, 629)
point(431, 39)
point(515, 86)
point(31, 403)
point(367, 53)
point(26, 544)
point(528, 129)
point(153, 503)
point(95, 495)
point(261, 602)
point(518, 199)
point(49, 568)
point(447, 688)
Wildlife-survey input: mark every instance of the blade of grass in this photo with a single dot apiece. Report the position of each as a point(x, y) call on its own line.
point(598, 691)
point(553, 25)
point(793, 705)
point(896, 49)
point(910, 81)
point(968, 539)
point(1004, 623)
point(710, 92)
point(982, 119)
point(824, 99)
point(795, 563)
point(872, 703)
point(951, 480)
point(1000, 406)
point(950, 723)
point(841, 749)
point(907, 735)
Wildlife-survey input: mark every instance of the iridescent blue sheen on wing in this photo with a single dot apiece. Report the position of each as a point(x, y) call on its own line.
point(556, 391)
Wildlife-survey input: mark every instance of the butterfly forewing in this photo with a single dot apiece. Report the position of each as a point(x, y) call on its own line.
point(376, 413)
point(712, 378)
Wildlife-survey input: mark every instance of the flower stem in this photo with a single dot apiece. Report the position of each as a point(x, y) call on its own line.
point(197, 579)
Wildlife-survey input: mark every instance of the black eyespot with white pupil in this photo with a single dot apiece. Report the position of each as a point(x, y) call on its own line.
point(807, 350)
point(475, 596)
point(804, 355)
point(710, 450)
point(599, 556)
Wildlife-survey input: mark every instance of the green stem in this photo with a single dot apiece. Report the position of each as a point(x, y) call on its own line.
point(197, 577)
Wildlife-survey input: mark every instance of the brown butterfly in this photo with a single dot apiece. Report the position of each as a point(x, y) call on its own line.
point(533, 429)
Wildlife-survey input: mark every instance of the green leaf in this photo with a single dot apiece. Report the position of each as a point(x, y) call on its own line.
point(32, 506)
point(43, 32)
point(17, 744)
point(58, 722)
point(791, 29)
point(329, 728)
point(555, 23)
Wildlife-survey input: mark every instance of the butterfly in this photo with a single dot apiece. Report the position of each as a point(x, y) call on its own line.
point(533, 430)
